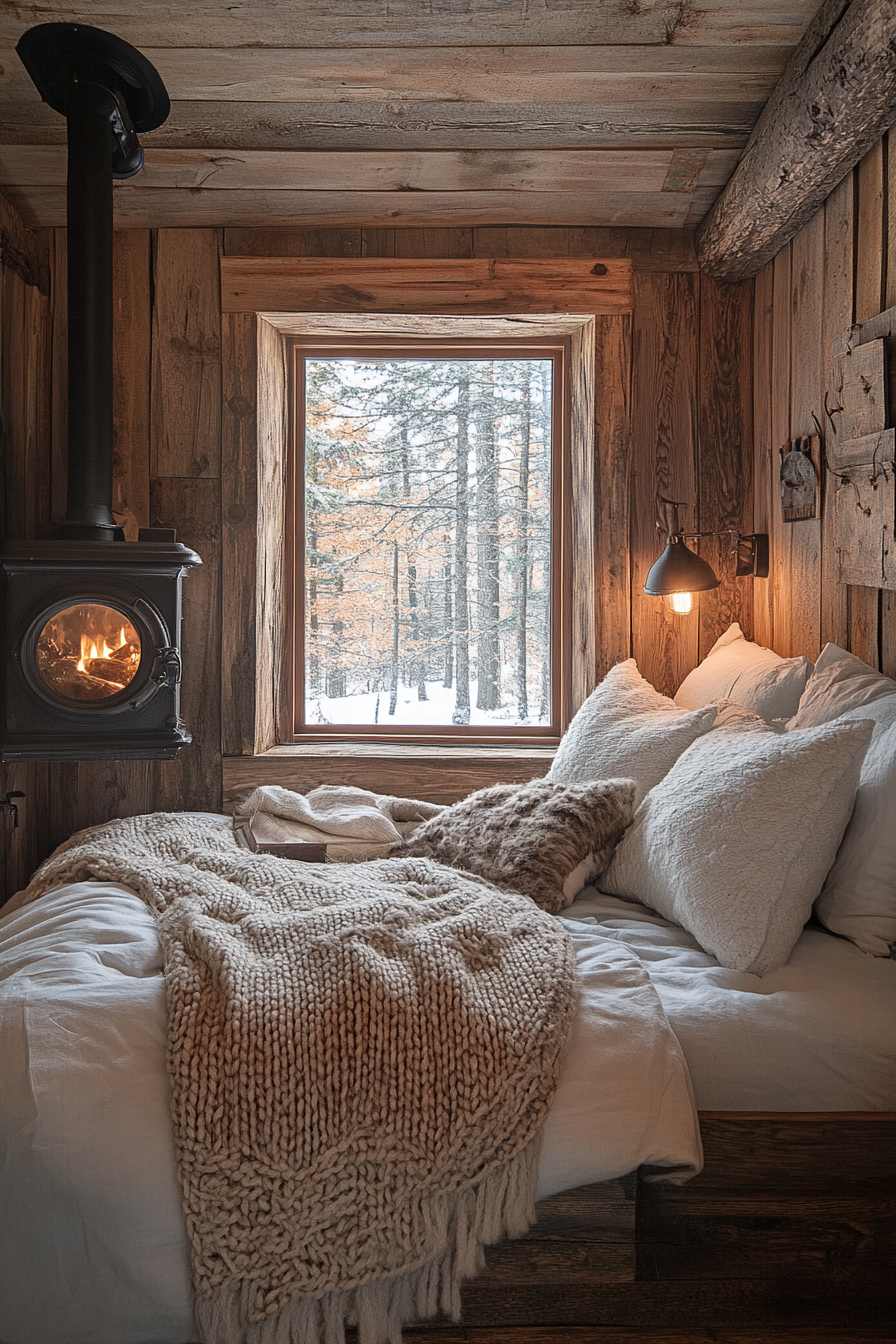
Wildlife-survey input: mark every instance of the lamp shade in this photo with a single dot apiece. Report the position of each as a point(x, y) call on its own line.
point(679, 570)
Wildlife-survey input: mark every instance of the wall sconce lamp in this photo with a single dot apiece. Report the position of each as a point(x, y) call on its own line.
point(679, 572)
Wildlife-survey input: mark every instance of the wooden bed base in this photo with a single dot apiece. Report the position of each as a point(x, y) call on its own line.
point(788, 1233)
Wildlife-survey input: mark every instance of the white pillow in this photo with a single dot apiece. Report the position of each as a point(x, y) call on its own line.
point(736, 669)
point(839, 683)
point(859, 895)
point(735, 842)
point(627, 730)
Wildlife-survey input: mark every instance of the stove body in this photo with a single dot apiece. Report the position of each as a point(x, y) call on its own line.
point(91, 650)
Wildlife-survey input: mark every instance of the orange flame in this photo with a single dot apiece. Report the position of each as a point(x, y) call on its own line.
point(98, 648)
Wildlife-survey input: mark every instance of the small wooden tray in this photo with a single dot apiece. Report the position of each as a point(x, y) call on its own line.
point(304, 851)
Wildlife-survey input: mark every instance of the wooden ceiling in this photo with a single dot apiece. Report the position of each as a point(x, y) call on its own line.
point(419, 112)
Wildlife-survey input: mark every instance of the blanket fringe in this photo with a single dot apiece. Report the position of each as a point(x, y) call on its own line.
point(503, 1204)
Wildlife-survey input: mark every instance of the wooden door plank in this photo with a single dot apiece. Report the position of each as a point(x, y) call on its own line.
point(186, 353)
point(807, 384)
point(724, 456)
point(664, 380)
point(765, 455)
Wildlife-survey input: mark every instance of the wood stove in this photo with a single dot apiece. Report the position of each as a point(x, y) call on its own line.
point(91, 622)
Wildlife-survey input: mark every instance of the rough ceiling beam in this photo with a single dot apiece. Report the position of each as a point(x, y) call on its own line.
point(834, 101)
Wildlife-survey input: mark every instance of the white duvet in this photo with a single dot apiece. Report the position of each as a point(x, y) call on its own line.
point(93, 1248)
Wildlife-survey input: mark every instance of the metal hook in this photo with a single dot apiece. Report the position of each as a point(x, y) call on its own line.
point(7, 805)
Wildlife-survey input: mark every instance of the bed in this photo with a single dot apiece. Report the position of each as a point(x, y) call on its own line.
point(791, 1072)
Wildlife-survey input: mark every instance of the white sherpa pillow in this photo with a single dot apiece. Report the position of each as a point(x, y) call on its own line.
point(735, 842)
point(737, 669)
point(859, 896)
point(627, 729)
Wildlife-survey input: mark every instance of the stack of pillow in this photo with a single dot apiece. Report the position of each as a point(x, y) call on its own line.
point(723, 809)
point(742, 832)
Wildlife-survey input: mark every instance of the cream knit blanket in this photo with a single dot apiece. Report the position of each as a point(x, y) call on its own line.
point(361, 1056)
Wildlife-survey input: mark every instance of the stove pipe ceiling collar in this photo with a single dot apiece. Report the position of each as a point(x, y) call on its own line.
point(108, 92)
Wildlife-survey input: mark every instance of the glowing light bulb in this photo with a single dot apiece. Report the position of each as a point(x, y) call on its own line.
point(680, 603)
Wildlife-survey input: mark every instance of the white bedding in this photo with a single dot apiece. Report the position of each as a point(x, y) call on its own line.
point(93, 1248)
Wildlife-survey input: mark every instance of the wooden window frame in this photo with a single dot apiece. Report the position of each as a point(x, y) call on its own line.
point(588, 300)
point(557, 350)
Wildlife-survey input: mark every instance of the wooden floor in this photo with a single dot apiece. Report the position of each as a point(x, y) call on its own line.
point(611, 1335)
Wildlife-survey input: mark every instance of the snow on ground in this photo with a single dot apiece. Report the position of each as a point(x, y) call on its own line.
point(435, 711)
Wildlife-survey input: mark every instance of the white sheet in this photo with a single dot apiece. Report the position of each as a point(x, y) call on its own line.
point(816, 1035)
point(93, 1248)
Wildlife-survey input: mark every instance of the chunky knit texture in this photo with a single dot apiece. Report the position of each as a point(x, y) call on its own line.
point(361, 1058)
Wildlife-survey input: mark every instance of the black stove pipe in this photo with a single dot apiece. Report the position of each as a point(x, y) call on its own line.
point(89, 113)
point(107, 91)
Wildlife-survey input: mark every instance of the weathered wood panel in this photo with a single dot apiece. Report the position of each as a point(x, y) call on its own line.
point(151, 207)
point(456, 23)
point(837, 312)
point(132, 325)
point(765, 452)
point(664, 414)
point(438, 776)
point(724, 450)
point(612, 485)
point(224, 126)
point(186, 354)
point(807, 386)
point(594, 74)
point(572, 170)
point(780, 576)
point(401, 285)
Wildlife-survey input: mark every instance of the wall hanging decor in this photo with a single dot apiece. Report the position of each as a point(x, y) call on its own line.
point(799, 478)
point(861, 492)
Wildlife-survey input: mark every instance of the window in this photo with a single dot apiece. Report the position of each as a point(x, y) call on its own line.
point(428, 538)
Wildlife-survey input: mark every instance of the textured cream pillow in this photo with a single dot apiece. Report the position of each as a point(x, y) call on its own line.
point(735, 842)
point(543, 839)
point(859, 895)
point(839, 683)
point(736, 669)
point(627, 729)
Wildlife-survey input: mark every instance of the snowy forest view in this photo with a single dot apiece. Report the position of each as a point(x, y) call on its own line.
point(427, 541)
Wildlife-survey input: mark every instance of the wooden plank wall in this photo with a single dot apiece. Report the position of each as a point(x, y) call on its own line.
point(840, 269)
point(673, 417)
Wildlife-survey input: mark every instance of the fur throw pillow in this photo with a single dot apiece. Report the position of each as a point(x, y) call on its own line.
point(544, 839)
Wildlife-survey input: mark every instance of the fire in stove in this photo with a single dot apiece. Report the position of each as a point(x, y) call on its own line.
point(88, 652)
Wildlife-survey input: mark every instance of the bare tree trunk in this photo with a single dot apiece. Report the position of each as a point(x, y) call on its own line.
point(418, 667)
point(522, 599)
point(393, 693)
point(449, 622)
point(488, 586)
point(461, 506)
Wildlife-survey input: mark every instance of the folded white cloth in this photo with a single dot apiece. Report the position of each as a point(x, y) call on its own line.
point(353, 823)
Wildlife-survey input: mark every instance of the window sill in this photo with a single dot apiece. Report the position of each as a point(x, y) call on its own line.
point(438, 774)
